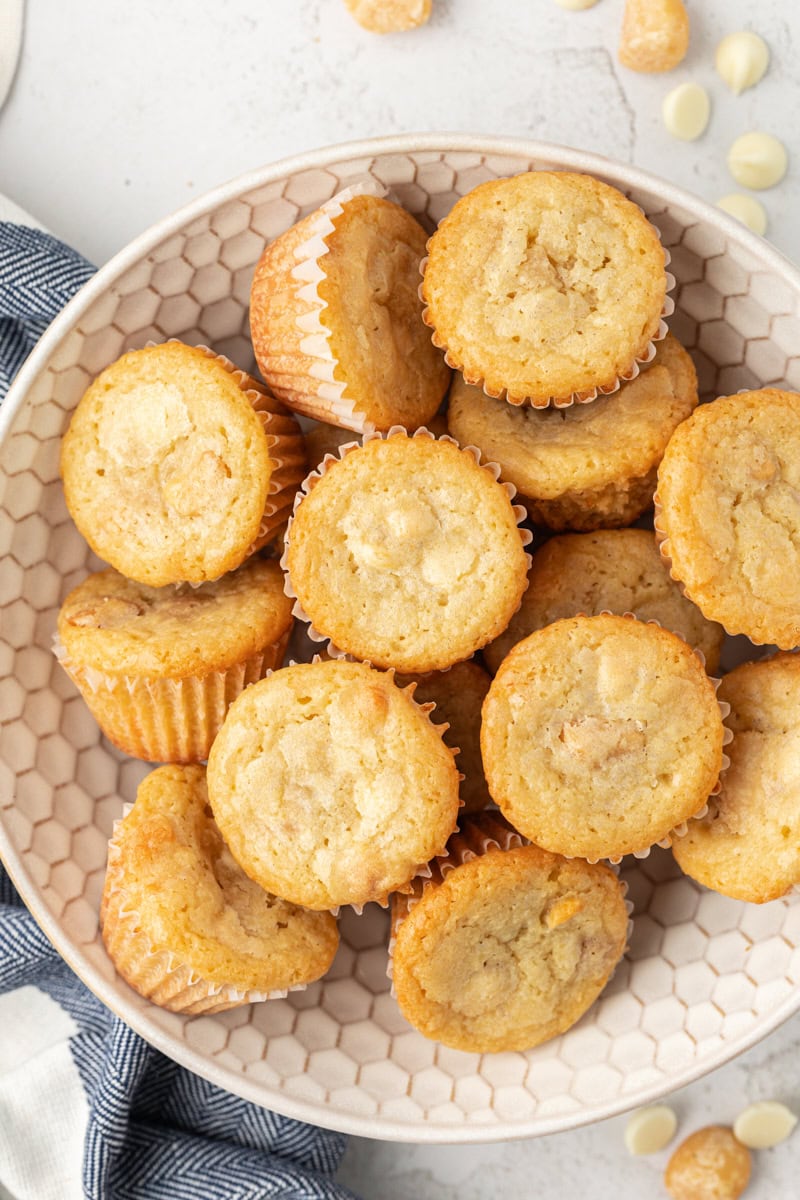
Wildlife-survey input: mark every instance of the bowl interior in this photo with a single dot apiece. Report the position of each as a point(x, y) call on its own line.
point(704, 976)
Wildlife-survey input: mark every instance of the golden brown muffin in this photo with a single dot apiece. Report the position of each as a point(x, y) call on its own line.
point(592, 466)
point(330, 785)
point(748, 846)
point(458, 694)
point(729, 497)
point(177, 466)
point(182, 922)
point(544, 286)
point(507, 949)
point(406, 553)
point(158, 667)
point(613, 570)
point(336, 319)
point(600, 735)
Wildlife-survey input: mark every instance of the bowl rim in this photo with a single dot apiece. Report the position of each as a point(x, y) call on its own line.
point(359, 1124)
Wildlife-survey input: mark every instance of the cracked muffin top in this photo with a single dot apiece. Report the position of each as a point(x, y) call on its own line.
point(544, 285)
point(509, 949)
point(729, 493)
point(407, 554)
point(166, 465)
point(600, 735)
point(330, 785)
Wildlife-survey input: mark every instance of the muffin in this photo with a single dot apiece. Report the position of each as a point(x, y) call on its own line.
point(510, 947)
point(330, 785)
point(614, 570)
point(547, 286)
point(406, 553)
point(600, 735)
point(748, 846)
point(177, 466)
point(729, 511)
point(181, 921)
point(336, 319)
point(458, 695)
point(592, 466)
point(158, 667)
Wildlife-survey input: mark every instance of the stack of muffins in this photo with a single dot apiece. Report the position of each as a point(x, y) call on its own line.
point(479, 729)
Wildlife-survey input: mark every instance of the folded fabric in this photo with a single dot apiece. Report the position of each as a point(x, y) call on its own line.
point(87, 1108)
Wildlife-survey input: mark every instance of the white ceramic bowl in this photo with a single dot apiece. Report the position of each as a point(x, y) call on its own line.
point(704, 978)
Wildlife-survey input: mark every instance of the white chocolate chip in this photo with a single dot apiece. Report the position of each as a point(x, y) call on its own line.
point(686, 110)
point(650, 1129)
point(757, 160)
point(742, 59)
point(763, 1125)
point(747, 209)
point(576, 5)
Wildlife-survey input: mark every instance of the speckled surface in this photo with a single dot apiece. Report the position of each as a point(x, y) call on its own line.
point(155, 109)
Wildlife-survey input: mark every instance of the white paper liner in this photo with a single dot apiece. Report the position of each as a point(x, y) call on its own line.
point(329, 460)
point(160, 976)
point(329, 401)
point(587, 394)
point(167, 719)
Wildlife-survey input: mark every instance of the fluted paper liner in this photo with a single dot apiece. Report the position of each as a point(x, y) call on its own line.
point(297, 362)
point(310, 482)
point(582, 397)
point(166, 719)
point(160, 976)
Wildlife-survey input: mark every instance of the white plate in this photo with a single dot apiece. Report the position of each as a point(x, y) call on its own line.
point(705, 977)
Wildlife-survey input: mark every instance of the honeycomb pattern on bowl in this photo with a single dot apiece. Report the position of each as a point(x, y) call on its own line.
point(704, 976)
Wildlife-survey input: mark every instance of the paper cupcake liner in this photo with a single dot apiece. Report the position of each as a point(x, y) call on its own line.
point(296, 359)
point(166, 719)
point(159, 975)
point(587, 394)
point(310, 482)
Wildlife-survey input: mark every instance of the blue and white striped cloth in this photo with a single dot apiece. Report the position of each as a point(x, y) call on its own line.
point(87, 1109)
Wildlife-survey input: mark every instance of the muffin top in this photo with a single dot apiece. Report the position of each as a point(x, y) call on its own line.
point(614, 570)
point(510, 949)
point(166, 465)
point(169, 865)
point(546, 452)
point(544, 285)
point(458, 694)
point(116, 626)
point(384, 354)
point(748, 846)
point(330, 785)
point(600, 735)
point(729, 490)
point(407, 553)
